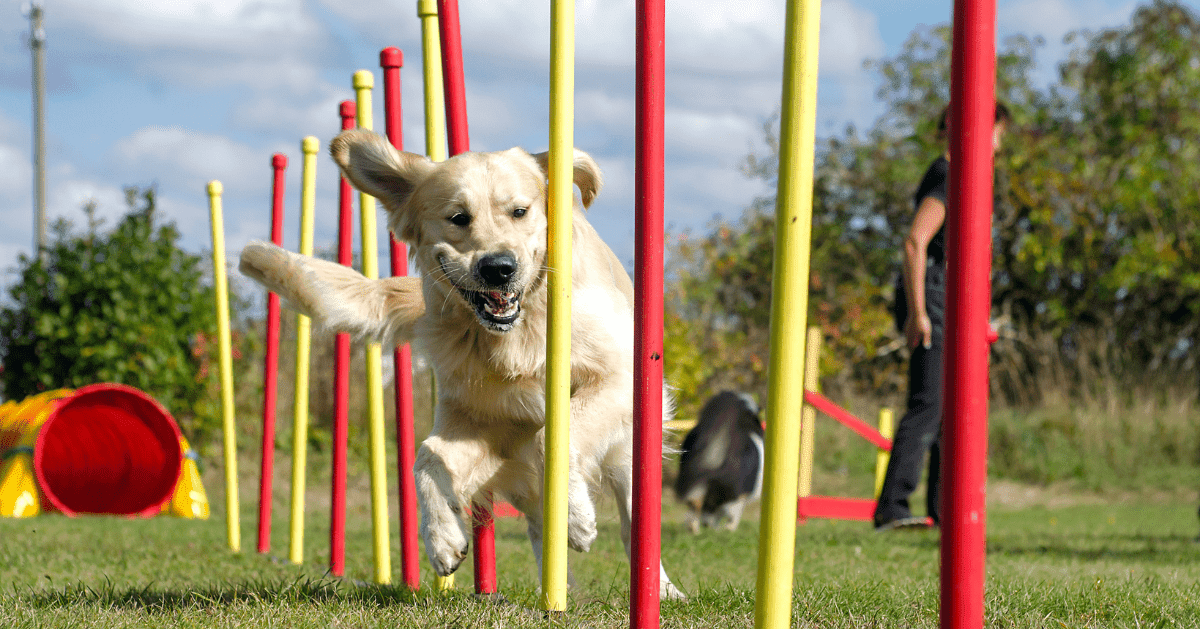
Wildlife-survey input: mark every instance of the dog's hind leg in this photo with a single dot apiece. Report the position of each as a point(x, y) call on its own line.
point(532, 510)
point(581, 509)
point(733, 511)
point(621, 483)
point(447, 474)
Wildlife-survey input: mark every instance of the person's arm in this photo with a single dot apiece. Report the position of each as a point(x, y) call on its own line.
point(930, 216)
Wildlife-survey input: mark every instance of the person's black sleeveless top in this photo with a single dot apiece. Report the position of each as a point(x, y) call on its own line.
point(933, 184)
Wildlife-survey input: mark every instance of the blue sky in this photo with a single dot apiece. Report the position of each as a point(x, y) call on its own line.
point(179, 92)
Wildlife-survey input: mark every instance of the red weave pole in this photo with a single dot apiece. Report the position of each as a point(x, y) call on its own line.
point(391, 60)
point(484, 528)
point(452, 77)
point(341, 373)
point(968, 303)
point(842, 416)
point(271, 367)
point(646, 543)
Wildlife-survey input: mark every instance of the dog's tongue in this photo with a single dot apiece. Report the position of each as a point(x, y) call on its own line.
point(500, 304)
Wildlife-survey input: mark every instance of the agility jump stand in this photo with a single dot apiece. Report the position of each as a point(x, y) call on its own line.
point(808, 505)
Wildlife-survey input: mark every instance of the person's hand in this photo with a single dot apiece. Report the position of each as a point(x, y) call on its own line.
point(919, 330)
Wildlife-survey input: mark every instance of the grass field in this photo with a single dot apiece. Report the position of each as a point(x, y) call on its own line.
point(1054, 560)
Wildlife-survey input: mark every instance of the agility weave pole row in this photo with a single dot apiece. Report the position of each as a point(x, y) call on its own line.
point(233, 532)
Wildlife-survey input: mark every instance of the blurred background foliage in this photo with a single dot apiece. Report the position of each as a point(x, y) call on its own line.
point(1096, 284)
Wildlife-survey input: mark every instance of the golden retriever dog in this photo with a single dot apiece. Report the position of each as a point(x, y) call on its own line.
point(476, 224)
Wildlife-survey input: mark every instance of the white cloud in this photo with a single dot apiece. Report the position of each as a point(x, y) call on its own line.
point(247, 27)
point(1053, 19)
point(181, 153)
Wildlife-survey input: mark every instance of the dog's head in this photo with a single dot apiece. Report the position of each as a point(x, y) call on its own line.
point(476, 222)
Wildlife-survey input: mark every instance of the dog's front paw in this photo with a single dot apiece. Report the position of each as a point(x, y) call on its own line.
point(446, 552)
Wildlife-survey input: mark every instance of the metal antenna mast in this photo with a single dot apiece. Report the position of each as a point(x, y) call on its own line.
point(37, 44)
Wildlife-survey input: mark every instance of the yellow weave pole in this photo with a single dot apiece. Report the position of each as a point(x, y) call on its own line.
point(435, 139)
point(883, 456)
point(808, 416)
point(558, 332)
point(435, 104)
point(308, 200)
point(364, 81)
point(233, 530)
point(789, 314)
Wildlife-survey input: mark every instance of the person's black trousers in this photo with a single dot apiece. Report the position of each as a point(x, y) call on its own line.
point(919, 430)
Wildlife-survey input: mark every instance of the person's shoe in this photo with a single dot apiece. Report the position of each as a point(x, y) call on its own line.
point(911, 522)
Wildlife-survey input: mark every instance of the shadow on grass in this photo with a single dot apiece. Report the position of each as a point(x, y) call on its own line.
point(1148, 548)
point(301, 590)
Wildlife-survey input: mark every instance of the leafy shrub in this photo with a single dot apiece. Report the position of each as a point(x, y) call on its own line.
point(124, 306)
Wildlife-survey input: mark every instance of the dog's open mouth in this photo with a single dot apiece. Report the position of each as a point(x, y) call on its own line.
point(496, 310)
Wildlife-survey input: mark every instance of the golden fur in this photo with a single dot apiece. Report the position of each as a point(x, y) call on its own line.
point(478, 311)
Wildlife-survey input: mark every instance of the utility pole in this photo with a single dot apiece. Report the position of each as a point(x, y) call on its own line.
point(37, 44)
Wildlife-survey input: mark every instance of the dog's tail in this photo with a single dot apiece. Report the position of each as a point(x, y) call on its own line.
point(336, 296)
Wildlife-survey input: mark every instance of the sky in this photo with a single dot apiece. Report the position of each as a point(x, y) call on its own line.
point(176, 93)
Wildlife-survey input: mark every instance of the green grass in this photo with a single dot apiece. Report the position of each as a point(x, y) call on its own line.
point(1057, 560)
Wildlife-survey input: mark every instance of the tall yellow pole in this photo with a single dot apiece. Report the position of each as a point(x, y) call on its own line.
point(435, 138)
point(364, 81)
point(558, 337)
point(789, 313)
point(435, 104)
point(308, 200)
point(221, 285)
point(808, 417)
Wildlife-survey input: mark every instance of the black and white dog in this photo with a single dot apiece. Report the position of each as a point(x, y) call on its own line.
point(721, 464)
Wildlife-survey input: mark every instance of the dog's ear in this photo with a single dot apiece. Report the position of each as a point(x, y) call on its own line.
point(375, 167)
point(586, 174)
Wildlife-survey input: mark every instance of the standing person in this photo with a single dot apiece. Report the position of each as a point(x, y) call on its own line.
point(921, 312)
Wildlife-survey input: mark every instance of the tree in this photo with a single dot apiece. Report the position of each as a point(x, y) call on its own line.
point(124, 306)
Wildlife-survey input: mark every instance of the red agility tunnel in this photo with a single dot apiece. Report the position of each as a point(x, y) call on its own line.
point(108, 448)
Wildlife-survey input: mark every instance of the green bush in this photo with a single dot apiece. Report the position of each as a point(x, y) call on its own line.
point(124, 306)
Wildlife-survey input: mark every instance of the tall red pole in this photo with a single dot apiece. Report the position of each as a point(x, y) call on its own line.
point(391, 60)
point(271, 367)
point(456, 132)
point(452, 77)
point(646, 546)
point(341, 373)
point(968, 303)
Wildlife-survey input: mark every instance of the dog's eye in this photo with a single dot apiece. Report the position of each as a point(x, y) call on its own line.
point(460, 219)
point(519, 212)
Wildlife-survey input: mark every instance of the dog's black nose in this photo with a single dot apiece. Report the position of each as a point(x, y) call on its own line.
point(497, 269)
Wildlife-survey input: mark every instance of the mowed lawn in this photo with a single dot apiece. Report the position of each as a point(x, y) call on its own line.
point(1090, 563)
